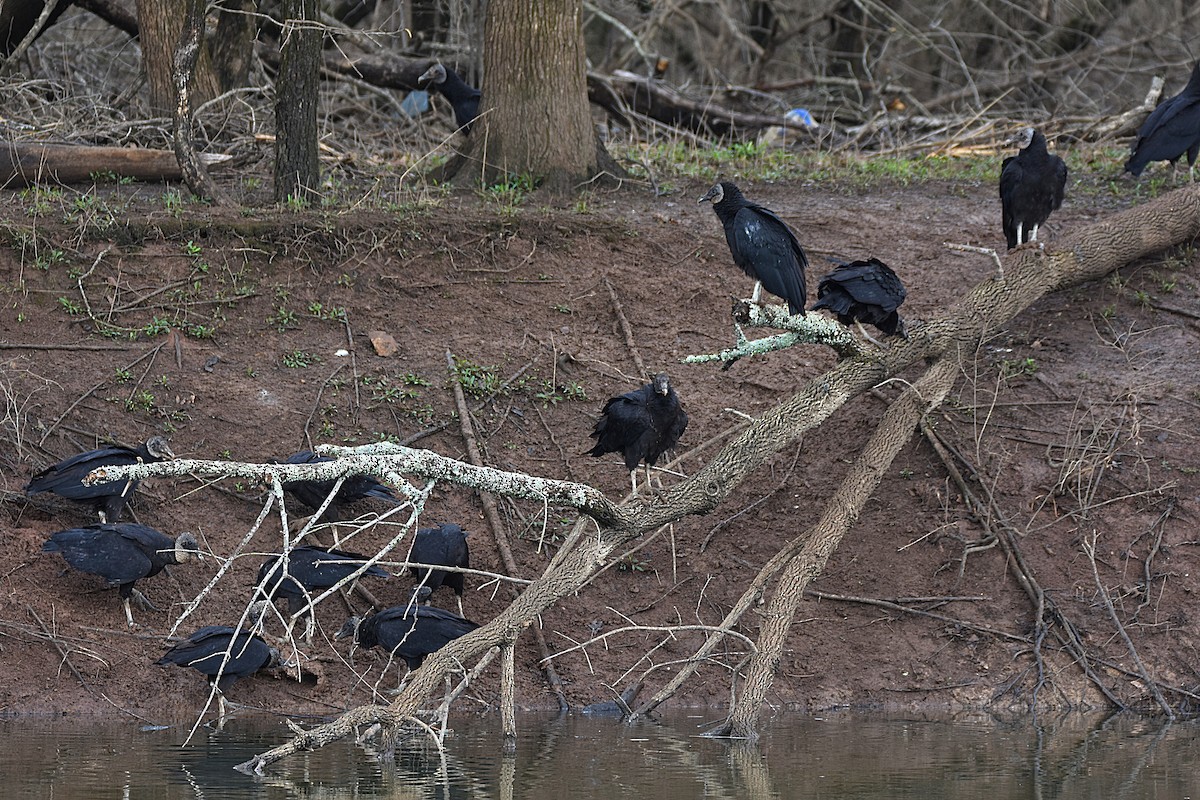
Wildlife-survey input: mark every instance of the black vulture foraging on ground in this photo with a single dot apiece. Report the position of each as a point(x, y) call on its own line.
point(1171, 130)
point(310, 571)
point(445, 545)
point(641, 425)
point(122, 553)
point(1031, 186)
point(464, 99)
point(762, 245)
point(864, 292)
point(312, 493)
point(410, 632)
point(219, 650)
point(65, 478)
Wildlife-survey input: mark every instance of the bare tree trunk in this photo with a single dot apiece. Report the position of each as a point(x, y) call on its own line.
point(185, 67)
point(233, 43)
point(297, 171)
point(160, 23)
point(534, 118)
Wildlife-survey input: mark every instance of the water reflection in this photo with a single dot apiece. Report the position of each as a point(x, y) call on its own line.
point(836, 756)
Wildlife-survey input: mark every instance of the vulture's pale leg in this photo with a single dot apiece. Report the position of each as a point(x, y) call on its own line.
point(1020, 231)
point(460, 608)
point(128, 613)
point(756, 295)
point(633, 479)
point(1033, 234)
point(867, 336)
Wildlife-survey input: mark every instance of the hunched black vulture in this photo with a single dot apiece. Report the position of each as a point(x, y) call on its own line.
point(312, 493)
point(65, 478)
point(1031, 186)
point(1171, 130)
point(310, 571)
point(464, 98)
point(762, 245)
point(122, 553)
point(863, 292)
point(445, 545)
point(410, 632)
point(221, 650)
point(641, 425)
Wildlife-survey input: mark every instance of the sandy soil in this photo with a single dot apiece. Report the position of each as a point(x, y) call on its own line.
point(1079, 416)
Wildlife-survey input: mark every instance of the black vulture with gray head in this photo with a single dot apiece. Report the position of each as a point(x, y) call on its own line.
point(864, 292)
point(762, 245)
point(310, 571)
point(122, 553)
point(1032, 184)
point(444, 545)
point(463, 97)
point(312, 493)
point(65, 478)
point(1171, 130)
point(222, 654)
point(410, 632)
point(641, 425)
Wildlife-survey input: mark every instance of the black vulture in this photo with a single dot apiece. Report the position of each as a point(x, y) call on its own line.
point(863, 292)
point(1171, 130)
point(65, 478)
point(310, 570)
point(464, 99)
point(410, 632)
point(445, 545)
point(219, 650)
point(312, 493)
point(762, 245)
point(122, 553)
point(1031, 186)
point(641, 425)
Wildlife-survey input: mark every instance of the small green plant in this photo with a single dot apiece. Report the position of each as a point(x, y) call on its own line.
point(295, 202)
point(251, 372)
point(479, 382)
point(164, 381)
point(70, 306)
point(1018, 368)
point(299, 359)
point(156, 326)
point(631, 563)
point(1142, 298)
point(46, 260)
point(284, 319)
point(1108, 312)
point(144, 400)
point(122, 375)
point(412, 379)
point(562, 308)
point(173, 202)
point(192, 249)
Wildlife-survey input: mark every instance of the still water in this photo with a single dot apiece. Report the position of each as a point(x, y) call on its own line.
point(834, 757)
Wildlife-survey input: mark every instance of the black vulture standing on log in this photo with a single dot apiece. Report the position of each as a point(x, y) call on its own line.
point(223, 655)
point(312, 493)
point(864, 292)
point(1031, 186)
point(762, 245)
point(122, 553)
point(310, 570)
point(445, 545)
point(1171, 130)
point(65, 478)
point(464, 98)
point(410, 632)
point(641, 425)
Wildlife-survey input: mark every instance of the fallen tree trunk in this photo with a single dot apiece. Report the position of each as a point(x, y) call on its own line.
point(26, 163)
point(1029, 273)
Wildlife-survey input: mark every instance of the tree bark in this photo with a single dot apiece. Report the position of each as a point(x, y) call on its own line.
point(160, 24)
point(297, 171)
point(534, 118)
point(185, 68)
point(233, 43)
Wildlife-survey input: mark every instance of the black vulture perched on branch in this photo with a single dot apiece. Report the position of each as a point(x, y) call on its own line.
point(122, 553)
point(762, 245)
point(312, 493)
point(445, 545)
point(411, 632)
point(864, 292)
point(219, 650)
point(65, 478)
point(464, 98)
point(1171, 130)
point(1031, 186)
point(641, 425)
point(310, 571)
